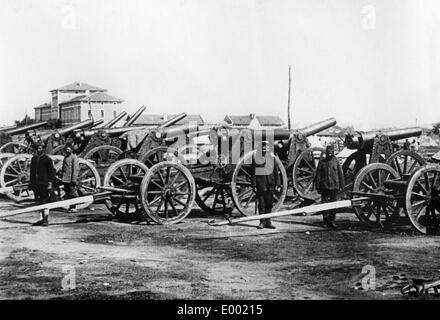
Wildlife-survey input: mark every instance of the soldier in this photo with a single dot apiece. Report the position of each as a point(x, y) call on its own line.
point(42, 174)
point(406, 145)
point(329, 180)
point(70, 172)
point(266, 179)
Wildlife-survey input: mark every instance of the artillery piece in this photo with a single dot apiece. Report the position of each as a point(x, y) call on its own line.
point(376, 147)
point(387, 192)
point(7, 145)
point(163, 183)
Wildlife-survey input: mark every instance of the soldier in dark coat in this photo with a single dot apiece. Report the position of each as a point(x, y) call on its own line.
point(70, 171)
point(42, 174)
point(265, 179)
point(329, 180)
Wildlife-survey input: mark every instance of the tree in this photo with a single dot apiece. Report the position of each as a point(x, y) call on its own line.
point(26, 121)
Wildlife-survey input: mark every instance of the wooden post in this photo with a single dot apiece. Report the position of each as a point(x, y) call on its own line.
point(288, 103)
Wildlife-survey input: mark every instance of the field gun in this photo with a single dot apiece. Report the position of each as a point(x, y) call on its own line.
point(9, 146)
point(378, 146)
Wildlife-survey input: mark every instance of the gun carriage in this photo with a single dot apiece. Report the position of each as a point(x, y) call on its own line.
point(378, 147)
point(388, 192)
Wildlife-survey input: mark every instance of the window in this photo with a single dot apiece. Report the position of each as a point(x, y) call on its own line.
point(102, 113)
point(114, 113)
point(90, 113)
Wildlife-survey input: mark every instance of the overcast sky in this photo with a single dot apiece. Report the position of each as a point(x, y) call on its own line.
point(368, 63)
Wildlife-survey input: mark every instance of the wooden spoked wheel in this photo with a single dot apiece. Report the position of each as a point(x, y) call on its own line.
point(405, 162)
point(243, 191)
point(422, 197)
point(127, 175)
point(214, 198)
point(168, 192)
point(160, 154)
point(304, 171)
point(15, 173)
point(14, 147)
point(103, 155)
point(379, 210)
point(4, 157)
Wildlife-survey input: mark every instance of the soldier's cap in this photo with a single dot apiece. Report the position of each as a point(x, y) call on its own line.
point(68, 145)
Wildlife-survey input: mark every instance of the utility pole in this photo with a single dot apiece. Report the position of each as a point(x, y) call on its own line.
point(288, 102)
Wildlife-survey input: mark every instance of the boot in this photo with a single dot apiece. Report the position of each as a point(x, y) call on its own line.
point(38, 223)
point(261, 225)
point(45, 220)
point(269, 224)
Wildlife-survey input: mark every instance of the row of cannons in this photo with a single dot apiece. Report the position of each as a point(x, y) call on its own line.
point(173, 167)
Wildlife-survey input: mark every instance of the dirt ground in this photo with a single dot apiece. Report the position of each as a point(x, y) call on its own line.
point(192, 260)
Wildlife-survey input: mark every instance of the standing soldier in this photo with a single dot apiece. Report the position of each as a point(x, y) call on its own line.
point(266, 179)
point(70, 175)
point(42, 174)
point(329, 180)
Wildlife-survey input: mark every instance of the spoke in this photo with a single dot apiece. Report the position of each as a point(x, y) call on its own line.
point(421, 186)
point(166, 208)
point(412, 166)
point(426, 181)
point(157, 185)
point(434, 180)
point(372, 180)
point(245, 172)
point(175, 177)
point(173, 206)
point(399, 170)
point(405, 164)
point(155, 200)
point(180, 202)
point(215, 199)
point(161, 177)
point(119, 180)
point(249, 200)
point(11, 181)
point(417, 195)
point(248, 190)
point(160, 205)
point(167, 180)
point(367, 186)
point(123, 174)
point(418, 203)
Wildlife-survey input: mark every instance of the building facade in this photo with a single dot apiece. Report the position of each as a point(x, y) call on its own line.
point(77, 102)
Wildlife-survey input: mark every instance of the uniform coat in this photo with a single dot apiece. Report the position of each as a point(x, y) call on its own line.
point(42, 171)
point(329, 175)
point(70, 169)
point(265, 173)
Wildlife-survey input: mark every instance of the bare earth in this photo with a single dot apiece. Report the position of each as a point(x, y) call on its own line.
point(192, 260)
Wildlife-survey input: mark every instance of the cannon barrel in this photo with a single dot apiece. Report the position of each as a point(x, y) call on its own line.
point(81, 125)
point(317, 127)
point(112, 122)
point(111, 132)
point(7, 128)
point(361, 140)
point(95, 124)
point(172, 121)
point(175, 131)
point(20, 130)
point(134, 117)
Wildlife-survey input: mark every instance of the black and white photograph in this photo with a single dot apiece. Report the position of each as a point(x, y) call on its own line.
point(235, 151)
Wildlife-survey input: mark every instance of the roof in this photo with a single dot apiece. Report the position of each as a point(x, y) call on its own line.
point(189, 118)
point(270, 121)
point(94, 97)
point(79, 86)
point(158, 119)
point(44, 105)
point(238, 120)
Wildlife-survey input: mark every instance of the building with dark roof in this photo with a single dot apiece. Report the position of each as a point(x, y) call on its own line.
point(155, 120)
point(77, 102)
point(254, 121)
